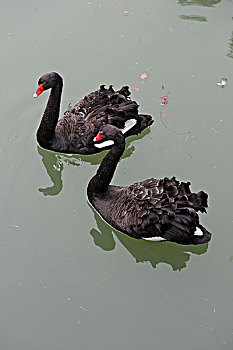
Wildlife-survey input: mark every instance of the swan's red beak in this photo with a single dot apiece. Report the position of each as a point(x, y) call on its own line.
point(98, 137)
point(38, 91)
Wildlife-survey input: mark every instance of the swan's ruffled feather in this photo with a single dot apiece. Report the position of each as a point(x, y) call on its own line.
point(155, 208)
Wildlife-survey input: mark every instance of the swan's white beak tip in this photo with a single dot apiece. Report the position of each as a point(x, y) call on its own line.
point(35, 95)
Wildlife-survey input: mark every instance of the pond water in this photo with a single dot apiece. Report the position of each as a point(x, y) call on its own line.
point(67, 280)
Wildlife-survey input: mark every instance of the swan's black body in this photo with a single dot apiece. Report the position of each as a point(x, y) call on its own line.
point(75, 131)
point(149, 209)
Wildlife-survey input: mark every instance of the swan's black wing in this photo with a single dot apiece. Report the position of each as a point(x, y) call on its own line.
point(115, 106)
point(160, 208)
point(81, 123)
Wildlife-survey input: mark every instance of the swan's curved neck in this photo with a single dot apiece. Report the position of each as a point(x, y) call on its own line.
point(46, 131)
point(100, 182)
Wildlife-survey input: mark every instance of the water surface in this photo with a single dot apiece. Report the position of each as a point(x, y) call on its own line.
point(67, 279)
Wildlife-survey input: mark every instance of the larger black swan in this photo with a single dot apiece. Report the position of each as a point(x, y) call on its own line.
point(75, 131)
point(154, 210)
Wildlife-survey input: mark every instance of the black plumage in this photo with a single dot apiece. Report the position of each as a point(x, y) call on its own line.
point(75, 131)
point(153, 209)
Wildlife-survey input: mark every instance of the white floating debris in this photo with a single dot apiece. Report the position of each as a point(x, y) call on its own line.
point(223, 82)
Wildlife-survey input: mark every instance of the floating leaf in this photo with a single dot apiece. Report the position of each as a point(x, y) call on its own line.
point(143, 75)
point(223, 82)
point(135, 89)
point(187, 136)
point(164, 100)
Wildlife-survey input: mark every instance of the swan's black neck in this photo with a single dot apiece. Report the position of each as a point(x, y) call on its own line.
point(100, 182)
point(46, 131)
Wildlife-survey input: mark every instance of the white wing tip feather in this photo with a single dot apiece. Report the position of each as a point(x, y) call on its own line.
point(198, 232)
point(154, 239)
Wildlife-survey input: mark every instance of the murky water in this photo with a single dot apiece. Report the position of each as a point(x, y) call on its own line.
point(67, 280)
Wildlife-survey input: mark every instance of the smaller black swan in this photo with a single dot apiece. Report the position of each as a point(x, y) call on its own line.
point(75, 131)
point(154, 210)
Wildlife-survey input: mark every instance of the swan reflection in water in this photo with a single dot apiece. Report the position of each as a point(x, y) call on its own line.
point(54, 162)
point(169, 253)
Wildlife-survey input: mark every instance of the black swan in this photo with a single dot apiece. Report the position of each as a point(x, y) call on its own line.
point(154, 210)
point(75, 131)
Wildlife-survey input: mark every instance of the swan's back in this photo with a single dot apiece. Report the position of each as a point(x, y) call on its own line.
point(153, 209)
point(80, 123)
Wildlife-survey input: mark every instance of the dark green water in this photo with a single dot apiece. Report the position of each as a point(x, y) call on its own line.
point(67, 280)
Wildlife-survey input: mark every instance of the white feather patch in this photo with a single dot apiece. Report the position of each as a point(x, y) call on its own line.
point(128, 125)
point(154, 239)
point(198, 232)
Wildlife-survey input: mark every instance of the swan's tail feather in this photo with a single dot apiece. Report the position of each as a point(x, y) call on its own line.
point(199, 201)
point(182, 235)
point(205, 237)
point(125, 91)
point(122, 108)
point(185, 229)
point(146, 120)
point(143, 122)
